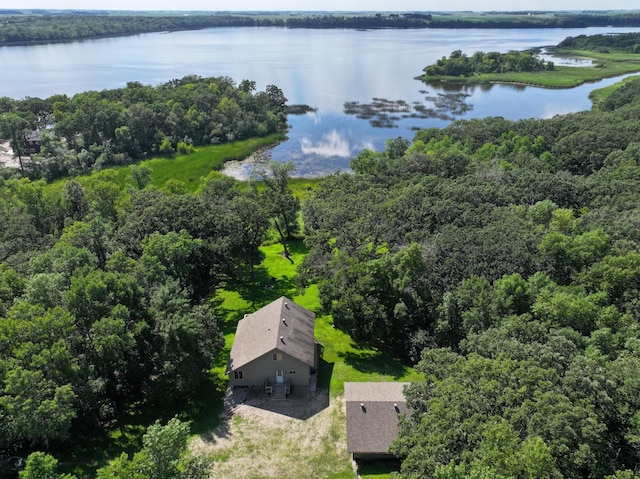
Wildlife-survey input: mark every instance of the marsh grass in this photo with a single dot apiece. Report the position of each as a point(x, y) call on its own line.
point(561, 77)
point(611, 55)
point(187, 171)
point(191, 169)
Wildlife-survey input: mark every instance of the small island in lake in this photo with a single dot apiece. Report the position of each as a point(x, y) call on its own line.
point(611, 55)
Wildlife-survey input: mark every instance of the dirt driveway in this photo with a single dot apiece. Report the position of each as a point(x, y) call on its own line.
point(262, 438)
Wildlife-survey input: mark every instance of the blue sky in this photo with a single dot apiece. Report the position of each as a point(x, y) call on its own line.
point(328, 5)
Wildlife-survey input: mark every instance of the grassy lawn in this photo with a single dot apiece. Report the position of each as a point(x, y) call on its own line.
point(343, 360)
point(377, 469)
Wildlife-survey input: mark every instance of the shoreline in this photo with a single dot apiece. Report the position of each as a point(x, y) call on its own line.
point(495, 79)
point(7, 158)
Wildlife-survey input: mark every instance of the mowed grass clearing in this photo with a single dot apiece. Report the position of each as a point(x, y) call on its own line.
point(262, 444)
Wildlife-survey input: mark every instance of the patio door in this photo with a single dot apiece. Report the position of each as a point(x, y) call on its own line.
point(279, 377)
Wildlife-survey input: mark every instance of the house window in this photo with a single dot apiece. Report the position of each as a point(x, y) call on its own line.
point(277, 356)
point(238, 375)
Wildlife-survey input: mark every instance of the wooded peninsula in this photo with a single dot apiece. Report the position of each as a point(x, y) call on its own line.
point(608, 55)
point(494, 264)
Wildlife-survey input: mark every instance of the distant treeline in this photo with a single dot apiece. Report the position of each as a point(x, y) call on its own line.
point(629, 42)
point(21, 29)
point(16, 29)
point(393, 20)
point(558, 20)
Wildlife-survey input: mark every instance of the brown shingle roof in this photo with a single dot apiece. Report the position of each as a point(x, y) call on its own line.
point(282, 325)
point(373, 410)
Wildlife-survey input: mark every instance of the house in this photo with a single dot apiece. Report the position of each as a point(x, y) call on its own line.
point(275, 346)
point(373, 411)
point(32, 142)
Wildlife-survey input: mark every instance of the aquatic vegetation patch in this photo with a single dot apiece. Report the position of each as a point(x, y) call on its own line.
point(384, 113)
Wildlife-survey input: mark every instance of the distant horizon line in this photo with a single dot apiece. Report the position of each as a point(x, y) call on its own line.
point(318, 11)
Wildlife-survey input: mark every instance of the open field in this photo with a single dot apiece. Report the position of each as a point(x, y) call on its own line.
point(487, 18)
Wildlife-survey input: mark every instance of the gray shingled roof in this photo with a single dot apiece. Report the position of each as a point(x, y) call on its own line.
point(373, 411)
point(282, 325)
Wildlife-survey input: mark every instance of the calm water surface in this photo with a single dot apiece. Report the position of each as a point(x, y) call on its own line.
point(324, 69)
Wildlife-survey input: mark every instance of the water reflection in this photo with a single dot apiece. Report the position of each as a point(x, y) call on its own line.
point(564, 60)
point(332, 144)
point(371, 74)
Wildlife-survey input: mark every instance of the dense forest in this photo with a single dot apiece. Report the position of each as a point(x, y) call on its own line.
point(505, 258)
point(99, 129)
point(18, 29)
point(102, 295)
point(103, 289)
point(501, 258)
point(626, 42)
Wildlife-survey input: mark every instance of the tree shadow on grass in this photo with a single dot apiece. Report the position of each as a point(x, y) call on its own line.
point(258, 293)
point(325, 371)
point(205, 408)
point(265, 288)
point(375, 362)
point(95, 449)
point(378, 467)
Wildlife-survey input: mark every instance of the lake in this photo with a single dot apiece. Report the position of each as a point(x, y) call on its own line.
point(360, 83)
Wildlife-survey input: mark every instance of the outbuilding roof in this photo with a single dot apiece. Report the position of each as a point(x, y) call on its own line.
point(281, 325)
point(373, 411)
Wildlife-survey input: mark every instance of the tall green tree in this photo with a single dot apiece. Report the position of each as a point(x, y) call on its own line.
point(164, 455)
point(42, 466)
point(15, 128)
point(280, 203)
